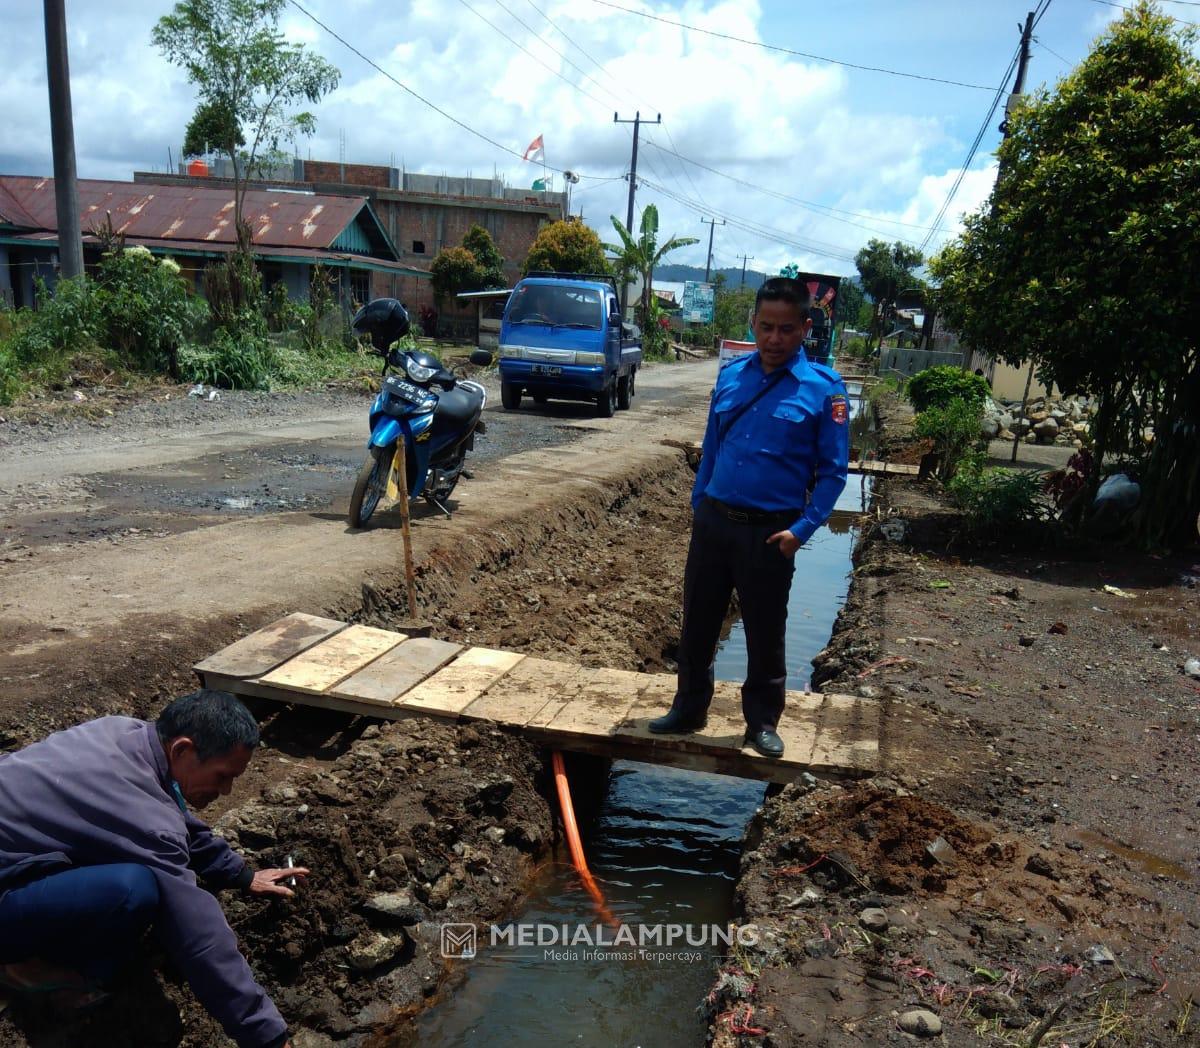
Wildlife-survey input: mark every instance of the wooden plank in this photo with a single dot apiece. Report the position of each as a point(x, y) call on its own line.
point(333, 660)
point(522, 692)
point(599, 704)
point(263, 650)
point(398, 670)
point(724, 731)
point(255, 689)
point(452, 689)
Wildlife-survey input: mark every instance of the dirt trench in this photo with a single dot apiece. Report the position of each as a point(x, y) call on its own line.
point(404, 824)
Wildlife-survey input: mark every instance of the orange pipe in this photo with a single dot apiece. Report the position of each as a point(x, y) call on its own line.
point(573, 842)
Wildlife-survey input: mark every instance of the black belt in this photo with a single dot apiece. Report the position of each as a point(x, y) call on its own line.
point(744, 515)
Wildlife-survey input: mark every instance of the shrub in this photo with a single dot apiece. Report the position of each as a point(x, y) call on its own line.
point(241, 359)
point(65, 322)
point(939, 386)
point(10, 375)
point(954, 430)
point(146, 309)
point(996, 499)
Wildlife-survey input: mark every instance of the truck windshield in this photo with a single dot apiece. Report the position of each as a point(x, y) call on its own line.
point(556, 306)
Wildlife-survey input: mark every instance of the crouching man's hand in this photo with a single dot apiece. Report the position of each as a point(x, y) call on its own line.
point(272, 882)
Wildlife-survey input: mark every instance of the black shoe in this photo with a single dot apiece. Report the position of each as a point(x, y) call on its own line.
point(765, 742)
point(676, 723)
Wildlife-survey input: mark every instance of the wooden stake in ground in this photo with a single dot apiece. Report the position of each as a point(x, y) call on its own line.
point(401, 468)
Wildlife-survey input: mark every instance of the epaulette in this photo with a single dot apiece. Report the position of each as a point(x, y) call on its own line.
point(826, 371)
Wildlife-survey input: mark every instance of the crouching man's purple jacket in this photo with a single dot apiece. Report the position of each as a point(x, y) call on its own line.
point(99, 793)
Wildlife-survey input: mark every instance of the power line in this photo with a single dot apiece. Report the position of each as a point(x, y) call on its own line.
point(763, 232)
point(1122, 7)
point(971, 153)
point(789, 51)
point(825, 210)
point(625, 91)
point(419, 97)
point(1053, 52)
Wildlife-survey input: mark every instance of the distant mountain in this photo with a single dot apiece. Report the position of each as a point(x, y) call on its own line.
point(733, 277)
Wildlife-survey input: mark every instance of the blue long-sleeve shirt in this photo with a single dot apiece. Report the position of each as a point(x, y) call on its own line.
point(788, 452)
point(100, 793)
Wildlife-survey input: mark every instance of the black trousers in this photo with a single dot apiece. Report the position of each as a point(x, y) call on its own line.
point(725, 556)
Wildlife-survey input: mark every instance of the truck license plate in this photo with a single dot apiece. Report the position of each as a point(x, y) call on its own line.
point(545, 369)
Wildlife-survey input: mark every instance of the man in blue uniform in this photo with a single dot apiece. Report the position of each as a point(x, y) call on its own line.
point(773, 463)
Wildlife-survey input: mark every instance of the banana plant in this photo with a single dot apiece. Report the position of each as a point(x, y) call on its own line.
point(644, 254)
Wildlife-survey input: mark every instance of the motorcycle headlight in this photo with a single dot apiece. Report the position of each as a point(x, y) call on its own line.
point(418, 372)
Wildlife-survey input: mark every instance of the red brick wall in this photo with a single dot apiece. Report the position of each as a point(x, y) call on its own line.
point(348, 174)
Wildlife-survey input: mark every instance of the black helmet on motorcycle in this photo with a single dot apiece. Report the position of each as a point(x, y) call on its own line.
point(384, 319)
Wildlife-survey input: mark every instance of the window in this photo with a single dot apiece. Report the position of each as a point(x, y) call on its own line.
point(556, 306)
point(360, 286)
point(418, 247)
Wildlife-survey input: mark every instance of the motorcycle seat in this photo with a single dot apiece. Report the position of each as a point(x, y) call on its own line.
point(457, 407)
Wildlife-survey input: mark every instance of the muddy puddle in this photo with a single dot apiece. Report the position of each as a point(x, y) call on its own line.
point(665, 850)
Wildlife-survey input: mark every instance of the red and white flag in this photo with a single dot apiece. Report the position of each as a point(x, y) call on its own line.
point(535, 152)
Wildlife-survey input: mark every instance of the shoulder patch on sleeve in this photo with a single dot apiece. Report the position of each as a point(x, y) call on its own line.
point(839, 409)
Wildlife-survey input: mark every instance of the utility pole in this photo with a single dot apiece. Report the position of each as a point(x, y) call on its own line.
point(745, 259)
point(1014, 100)
point(637, 122)
point(712, 228)
point(62, 137)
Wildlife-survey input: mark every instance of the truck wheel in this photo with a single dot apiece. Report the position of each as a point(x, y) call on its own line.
point(632, 383)
point(606, 401)
point(624, 391)
point(510, 396)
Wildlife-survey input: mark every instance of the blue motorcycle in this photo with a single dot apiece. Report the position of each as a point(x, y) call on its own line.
point(436, 415)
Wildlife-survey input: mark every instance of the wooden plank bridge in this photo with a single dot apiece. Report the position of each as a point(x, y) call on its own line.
point(379, 673)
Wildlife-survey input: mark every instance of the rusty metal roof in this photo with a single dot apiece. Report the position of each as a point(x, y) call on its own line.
point(190, 213)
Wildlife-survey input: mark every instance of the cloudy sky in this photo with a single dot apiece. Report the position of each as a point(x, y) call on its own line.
point(805, 159)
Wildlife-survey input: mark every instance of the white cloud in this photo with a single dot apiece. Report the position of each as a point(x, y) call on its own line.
point(793, 126)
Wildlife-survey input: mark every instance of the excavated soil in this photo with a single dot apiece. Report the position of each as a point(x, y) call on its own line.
point(442, 822)
point(1034, 877)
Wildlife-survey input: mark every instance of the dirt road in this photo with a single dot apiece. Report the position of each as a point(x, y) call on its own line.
point(130, 550)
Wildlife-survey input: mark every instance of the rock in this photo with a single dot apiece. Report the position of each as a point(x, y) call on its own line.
point(1192, 668)
point(495, 834)
point(920, 1023)
point(439, 893)
point(251, 827)
point(1065, 905)
point(991, 1005)
point(1100, 955)
point(1026, 641)
point(525, 834)
point(496, 793)
point(1038, 417)
point(1058, 628)
point(1030, 438)
point(1039, 864)
point(1005, 419)
point(393, 865)
point(394, 907)
point(874, 920)
point(372, 949)
point(1046, 430)
point(809, 897)
point(990, 428)
point(941, 851)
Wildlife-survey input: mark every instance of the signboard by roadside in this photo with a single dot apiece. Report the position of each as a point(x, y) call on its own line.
point(731, 349)
point(697, 302)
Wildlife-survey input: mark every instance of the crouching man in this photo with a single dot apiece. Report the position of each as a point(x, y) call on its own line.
point(97, 845)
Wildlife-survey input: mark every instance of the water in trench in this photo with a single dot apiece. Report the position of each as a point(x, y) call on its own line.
point(665, 852)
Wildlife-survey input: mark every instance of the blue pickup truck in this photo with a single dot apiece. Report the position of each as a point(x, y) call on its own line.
point(562, 338)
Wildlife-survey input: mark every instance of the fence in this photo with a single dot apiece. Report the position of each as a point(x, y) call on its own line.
point(908, 362)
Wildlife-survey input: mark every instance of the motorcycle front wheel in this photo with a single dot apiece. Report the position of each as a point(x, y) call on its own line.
point(370, 486)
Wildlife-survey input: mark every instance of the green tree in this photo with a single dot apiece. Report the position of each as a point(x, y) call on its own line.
point(566, 247)
point(731, 309)
point(212, 127)
point(248, 77)
point(487, 257)
point(642, 255)
point(886, 270)
point(1086, 259)
point(455, 269)
point(849, 302)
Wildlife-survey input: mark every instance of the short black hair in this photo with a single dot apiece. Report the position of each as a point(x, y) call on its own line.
point(784, 289)
point(215, 721)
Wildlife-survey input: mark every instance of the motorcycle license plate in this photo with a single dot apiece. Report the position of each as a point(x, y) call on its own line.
point(406, 391)
point(545, 369)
